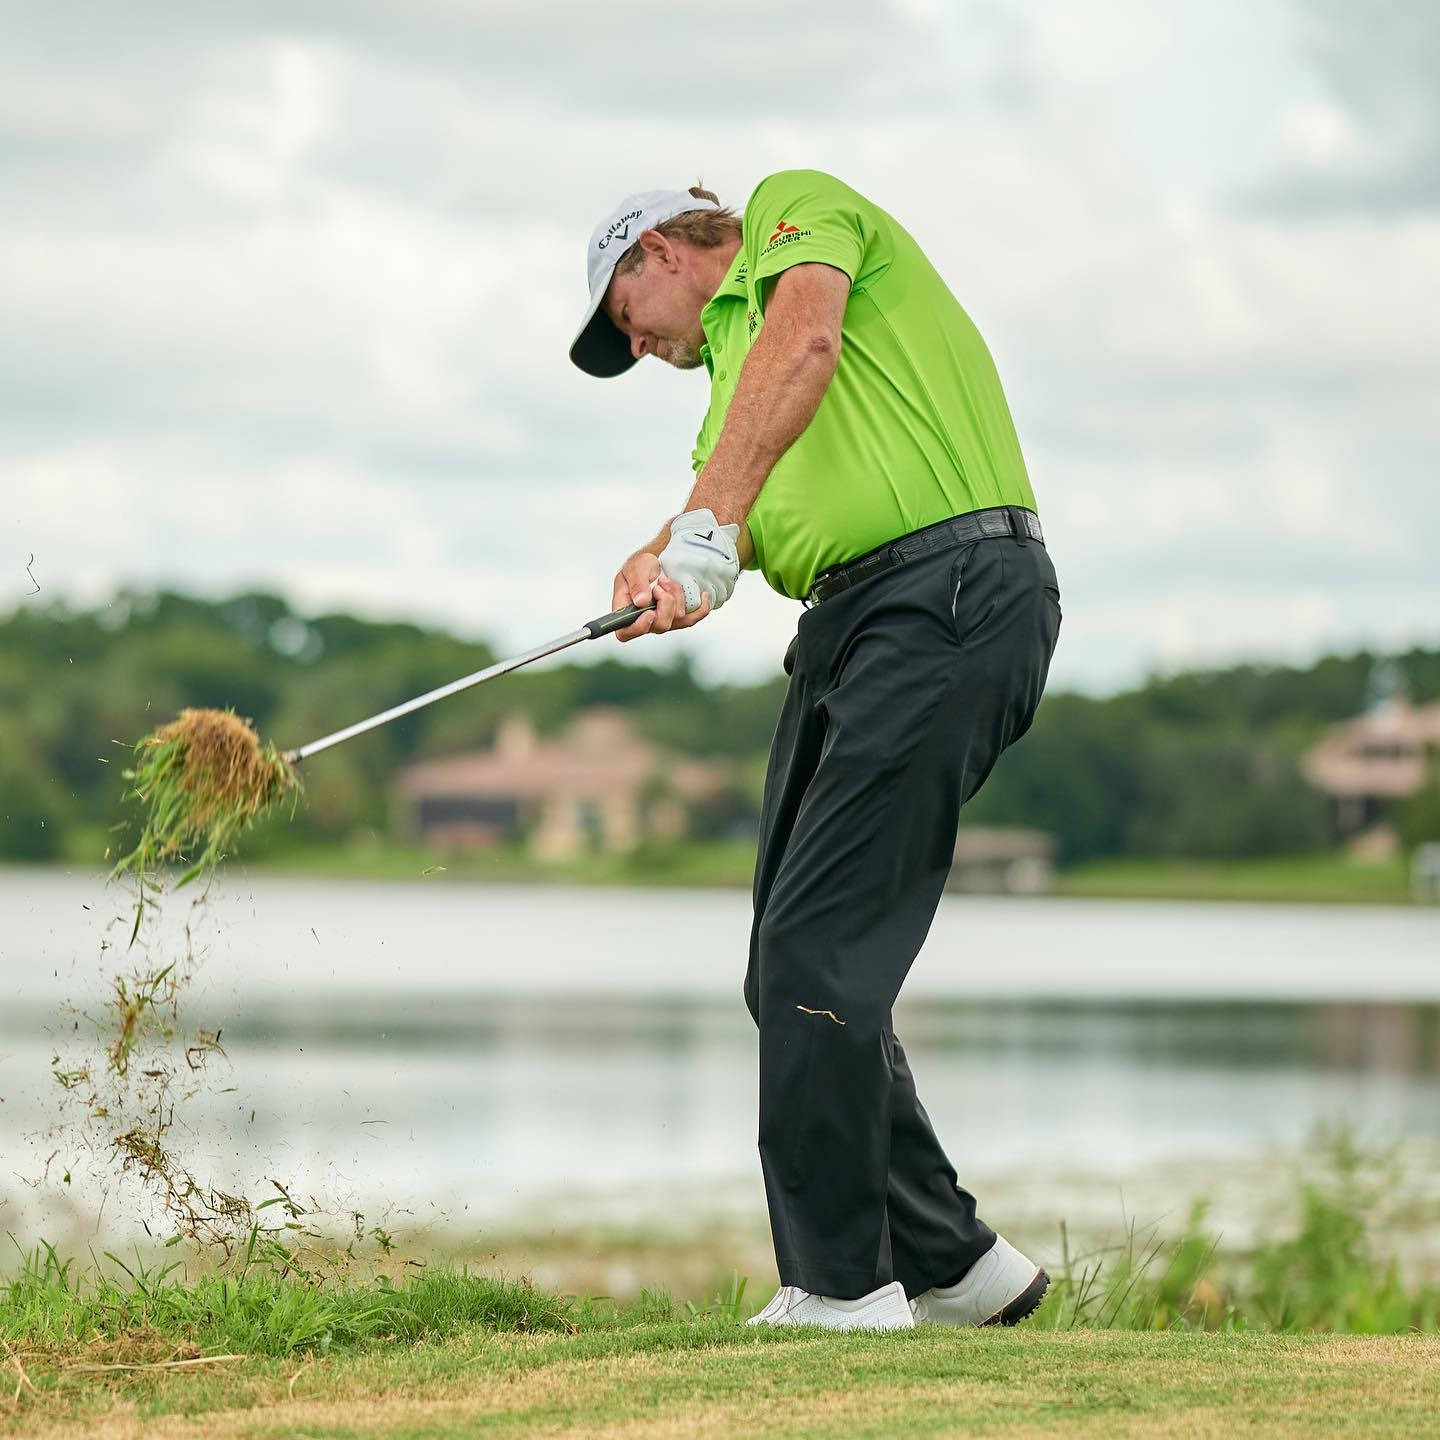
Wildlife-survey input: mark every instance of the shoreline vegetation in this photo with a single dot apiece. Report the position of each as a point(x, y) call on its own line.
point(1206, 764)
point(1326, 878)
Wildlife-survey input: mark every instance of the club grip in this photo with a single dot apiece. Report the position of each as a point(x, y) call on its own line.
point(615, 620)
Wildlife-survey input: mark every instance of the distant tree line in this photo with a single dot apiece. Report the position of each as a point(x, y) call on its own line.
point(1203, 763)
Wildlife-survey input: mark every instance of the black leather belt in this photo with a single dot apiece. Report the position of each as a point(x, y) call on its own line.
point(958, 530)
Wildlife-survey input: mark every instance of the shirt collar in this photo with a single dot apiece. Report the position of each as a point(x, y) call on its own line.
point(733, 286)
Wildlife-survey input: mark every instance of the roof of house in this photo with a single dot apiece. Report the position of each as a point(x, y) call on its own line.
point(600, 756)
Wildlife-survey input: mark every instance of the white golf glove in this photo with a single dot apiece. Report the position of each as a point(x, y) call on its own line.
point(701, 555)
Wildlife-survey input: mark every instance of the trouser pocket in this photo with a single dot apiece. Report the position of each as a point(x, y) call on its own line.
point(974, 585)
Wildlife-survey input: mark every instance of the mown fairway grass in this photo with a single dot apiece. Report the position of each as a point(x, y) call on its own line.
point(698, 1378)
point(1295, 879)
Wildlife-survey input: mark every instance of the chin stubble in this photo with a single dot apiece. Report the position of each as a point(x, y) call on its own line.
point(683, 355)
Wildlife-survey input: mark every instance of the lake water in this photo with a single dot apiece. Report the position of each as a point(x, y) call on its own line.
point(476, 1051)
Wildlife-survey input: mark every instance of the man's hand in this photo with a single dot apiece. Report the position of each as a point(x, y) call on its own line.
point(702, 557)
point(694, 573)
point(639, 581)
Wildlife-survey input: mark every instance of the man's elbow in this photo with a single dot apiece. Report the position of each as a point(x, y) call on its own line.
point(823, 346)
point(810, 348)
point(816, 352)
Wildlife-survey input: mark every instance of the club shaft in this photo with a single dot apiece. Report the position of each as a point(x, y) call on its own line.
point(430, 697)
point(591, 630)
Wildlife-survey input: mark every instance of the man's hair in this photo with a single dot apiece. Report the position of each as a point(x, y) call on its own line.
point(705, 229)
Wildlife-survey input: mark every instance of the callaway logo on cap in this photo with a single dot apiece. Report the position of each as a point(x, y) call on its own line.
point(599, 348)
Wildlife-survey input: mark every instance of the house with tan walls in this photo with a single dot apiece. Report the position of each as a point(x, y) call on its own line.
point(1370, 764)
point(601, 786)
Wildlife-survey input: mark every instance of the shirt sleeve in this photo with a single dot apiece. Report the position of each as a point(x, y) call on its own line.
point(798, 217)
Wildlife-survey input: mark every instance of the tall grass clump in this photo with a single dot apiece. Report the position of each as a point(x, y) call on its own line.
point(1328, 1276)
point(1142, 1282)
point(138, 1310)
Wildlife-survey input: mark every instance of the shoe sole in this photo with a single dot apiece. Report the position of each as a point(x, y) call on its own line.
point(1025, 1303)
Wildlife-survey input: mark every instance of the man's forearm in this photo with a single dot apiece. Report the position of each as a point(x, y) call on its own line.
point(778, 393)
point(780, 389)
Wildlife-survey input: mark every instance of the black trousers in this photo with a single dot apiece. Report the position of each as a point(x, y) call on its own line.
point(903, 692)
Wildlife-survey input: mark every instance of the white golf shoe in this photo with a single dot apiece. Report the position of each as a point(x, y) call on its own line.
point(882, 1309)
point(1001, 1288)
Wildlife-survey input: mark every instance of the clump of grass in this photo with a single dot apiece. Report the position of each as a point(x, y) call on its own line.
point(1143, 1282)
point(202, 779)
point(1327, 1276)
point(141, 1312)
point(726, 1306)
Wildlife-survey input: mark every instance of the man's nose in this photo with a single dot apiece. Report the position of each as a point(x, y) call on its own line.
point(637, 346)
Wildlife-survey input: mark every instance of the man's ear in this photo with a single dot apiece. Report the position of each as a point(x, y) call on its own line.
point(657, 248)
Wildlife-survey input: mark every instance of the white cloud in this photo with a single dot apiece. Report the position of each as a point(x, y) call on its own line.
point(288, 291)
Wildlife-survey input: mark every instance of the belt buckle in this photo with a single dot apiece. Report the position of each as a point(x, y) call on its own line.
point(810, 600)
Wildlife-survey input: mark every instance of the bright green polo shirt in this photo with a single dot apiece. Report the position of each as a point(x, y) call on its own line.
point(914, 426)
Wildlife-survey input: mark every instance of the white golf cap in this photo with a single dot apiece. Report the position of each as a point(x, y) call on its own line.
point(599, 348)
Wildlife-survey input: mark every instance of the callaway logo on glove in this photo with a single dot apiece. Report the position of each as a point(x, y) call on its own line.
point(701, 556)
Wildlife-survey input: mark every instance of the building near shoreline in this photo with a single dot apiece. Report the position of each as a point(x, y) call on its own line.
point(1369, 765)
point(1003, 860)
point(600, 787)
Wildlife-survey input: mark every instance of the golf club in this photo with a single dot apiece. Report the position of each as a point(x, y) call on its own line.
point(591, 630)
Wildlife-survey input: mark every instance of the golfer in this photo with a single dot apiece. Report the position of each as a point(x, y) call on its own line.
point(859, 453)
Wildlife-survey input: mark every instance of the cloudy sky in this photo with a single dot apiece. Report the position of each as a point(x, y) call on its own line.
point(286, 291)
